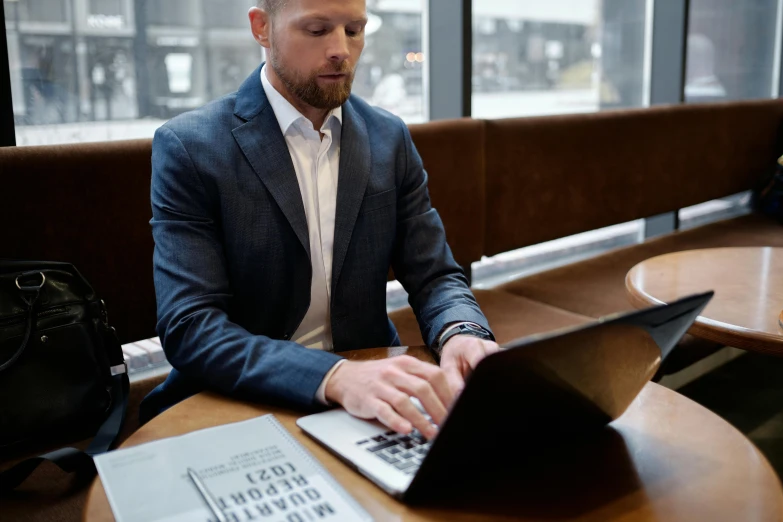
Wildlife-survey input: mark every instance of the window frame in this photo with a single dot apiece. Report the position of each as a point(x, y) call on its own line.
point(448, 38)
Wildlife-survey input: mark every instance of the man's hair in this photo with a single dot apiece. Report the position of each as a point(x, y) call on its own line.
point(271, 6)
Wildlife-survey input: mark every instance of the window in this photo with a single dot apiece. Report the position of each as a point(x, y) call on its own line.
point(731, 50)
point(40, 11)
point(715, 210)
point(502, 268)
point(391, 71)
point(730, 56)
point(229, 14)
point(123, 67)
point(106, 7)
point(172, 13)
point(559, 56)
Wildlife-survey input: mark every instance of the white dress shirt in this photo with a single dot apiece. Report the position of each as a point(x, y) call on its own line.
point(316, 163)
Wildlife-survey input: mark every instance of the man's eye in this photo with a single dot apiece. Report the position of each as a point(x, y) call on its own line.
point(316, 32)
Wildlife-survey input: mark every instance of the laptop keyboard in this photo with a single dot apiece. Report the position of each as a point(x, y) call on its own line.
point(404, 452)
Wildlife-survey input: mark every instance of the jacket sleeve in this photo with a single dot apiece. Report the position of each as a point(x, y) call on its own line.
point(437, 288)
point(194, 294)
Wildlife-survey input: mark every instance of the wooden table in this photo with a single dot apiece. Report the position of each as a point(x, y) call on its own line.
point(666, 459)
point(748, 284)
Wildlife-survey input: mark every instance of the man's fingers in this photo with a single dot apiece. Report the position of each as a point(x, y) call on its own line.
point(479, 351)
point(436, 378)
point(491, 348)
point(404, 407)
point(391, 419)
point(474, 357)
point(455, 380)
point(422, 390)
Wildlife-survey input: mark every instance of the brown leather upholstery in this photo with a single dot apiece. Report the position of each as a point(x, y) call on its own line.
point(88, 205)
point(596, 287)
point(555, 176)
point(453, 155)
point(510, 317)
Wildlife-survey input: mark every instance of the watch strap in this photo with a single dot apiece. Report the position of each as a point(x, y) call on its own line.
point(466, 328)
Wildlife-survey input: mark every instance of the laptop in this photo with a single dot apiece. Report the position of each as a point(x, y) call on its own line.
point(535, 390)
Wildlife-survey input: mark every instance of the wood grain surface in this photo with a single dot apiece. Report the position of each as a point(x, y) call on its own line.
point(666, 459)
point(748, 285)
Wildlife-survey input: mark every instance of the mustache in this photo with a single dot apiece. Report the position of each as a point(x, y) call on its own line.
point(341, 68)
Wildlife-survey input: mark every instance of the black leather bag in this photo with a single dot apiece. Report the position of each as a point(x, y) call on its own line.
point(62, 373)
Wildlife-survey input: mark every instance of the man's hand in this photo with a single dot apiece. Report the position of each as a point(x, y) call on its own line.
point(382, 390)
point(460, 356)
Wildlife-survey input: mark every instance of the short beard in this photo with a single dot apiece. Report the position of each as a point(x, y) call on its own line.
point(307, 89)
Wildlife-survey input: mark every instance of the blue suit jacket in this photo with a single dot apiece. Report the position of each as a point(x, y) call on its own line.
point(232, 262)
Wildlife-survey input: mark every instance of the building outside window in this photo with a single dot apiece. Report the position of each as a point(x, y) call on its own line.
point(41, 11)
point(94, 70)
point(392, 72)
point(560, 56)
point(730, 56)
point(106, 8)
point(731, 50)
point(535, 58)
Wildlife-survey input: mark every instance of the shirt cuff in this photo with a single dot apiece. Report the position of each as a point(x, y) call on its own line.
point(321, 393)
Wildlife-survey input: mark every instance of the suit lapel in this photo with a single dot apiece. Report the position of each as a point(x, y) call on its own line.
point(267, 152)
point(355, 163)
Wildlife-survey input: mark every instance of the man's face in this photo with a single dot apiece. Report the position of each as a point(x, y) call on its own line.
point(315, 46)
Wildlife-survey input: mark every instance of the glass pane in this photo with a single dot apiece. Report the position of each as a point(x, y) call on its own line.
point(715, 210)
point(391, 71)
point(731, 50)
point(42, 67)
point(106, 7)
point(227, 13)
point(46, 11)
point(172, 13)
point(124, 67)
point(560, 56)
point(505, 267)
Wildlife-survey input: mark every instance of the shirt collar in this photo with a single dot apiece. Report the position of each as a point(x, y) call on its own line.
point(286, 113)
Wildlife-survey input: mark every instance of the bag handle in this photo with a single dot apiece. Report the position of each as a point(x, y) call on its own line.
point(30, 295)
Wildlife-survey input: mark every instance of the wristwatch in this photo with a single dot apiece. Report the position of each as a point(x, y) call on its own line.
point(473, 329)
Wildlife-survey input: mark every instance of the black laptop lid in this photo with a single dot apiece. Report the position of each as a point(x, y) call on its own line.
point(553, 387)
point(665, 323)
point(558, 385)
point(588, 374)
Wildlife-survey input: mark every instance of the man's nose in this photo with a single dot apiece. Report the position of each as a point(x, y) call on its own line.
point(338, 46)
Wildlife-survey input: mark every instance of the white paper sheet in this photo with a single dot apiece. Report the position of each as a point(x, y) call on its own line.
point(254, 469)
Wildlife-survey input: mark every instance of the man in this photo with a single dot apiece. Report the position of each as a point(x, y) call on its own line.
point(277, 211)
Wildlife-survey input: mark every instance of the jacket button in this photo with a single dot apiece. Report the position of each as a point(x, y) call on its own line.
point(286, 336)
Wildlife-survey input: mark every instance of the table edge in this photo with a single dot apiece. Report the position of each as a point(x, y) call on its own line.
point(710, 329)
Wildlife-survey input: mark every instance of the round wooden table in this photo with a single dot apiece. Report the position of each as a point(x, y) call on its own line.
point(748, 285)
point(666, 459)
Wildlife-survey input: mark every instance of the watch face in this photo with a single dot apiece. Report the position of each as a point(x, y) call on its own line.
point(470, 329)
point(465, 329)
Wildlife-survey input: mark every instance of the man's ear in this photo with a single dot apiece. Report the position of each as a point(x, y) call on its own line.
point(260, 26)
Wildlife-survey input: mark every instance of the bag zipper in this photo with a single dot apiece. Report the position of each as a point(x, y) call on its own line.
point(20, 318)
point(52, 311)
